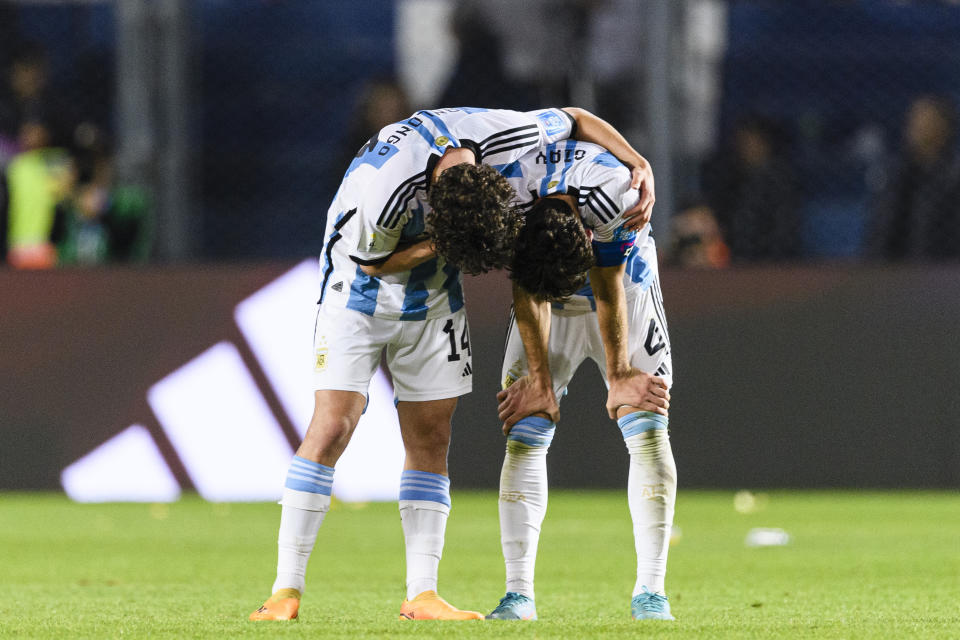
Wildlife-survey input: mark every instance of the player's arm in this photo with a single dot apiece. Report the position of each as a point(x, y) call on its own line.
point(381, 214)
point(533, 393)
point(590, 128)
point(405, 258)
point(629, 387)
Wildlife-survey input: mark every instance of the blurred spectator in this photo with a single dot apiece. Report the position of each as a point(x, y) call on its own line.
point(918, 209)
point(480, 78)
point(37, 173)
point(32, 116)
point(36, 180)
point(695, 239)
point(101, 221)
point(752, 188)
point(381, 102)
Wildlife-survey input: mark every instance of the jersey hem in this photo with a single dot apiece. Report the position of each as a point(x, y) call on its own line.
point(370, 263)
point(439, 394)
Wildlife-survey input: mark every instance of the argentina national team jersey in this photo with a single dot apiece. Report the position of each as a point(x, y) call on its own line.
point(601, 185)
point(382, 202)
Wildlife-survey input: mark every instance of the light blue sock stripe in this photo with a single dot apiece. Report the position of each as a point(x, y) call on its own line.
point(309, 487)
point(537, 421)
point(299, 476)
point(310, 465)
point(423, 485)
point(431, 496)
point(533, 431)
point(640, 421)
point(310, 472)
point(428, 481)
point(307, 475)
point(425, 475)
point(522, 428)
point(530, 442)
point(406, 484)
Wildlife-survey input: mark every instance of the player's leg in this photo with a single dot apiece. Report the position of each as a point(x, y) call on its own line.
point(431, 368)
point(523, 478)
point(652, 480)
point(347, 355)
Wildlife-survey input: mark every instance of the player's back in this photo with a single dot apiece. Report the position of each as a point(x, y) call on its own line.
point(601, 186)
point(381, 205)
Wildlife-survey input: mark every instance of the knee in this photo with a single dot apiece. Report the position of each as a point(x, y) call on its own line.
point(434, 439)
point(327, 433)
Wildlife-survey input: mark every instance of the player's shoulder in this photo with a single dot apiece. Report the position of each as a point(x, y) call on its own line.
point(597, 157)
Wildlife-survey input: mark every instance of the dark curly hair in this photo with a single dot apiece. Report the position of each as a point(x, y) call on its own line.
point(553, 253)
point(473, 223)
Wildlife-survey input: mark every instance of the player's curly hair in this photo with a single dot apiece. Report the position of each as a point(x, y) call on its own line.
point(473, 224)
point(553, 253)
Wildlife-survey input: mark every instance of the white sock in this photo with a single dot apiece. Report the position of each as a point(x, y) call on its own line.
point(424, 508)
point(306, 500)
point(651, 493)
point(523, 500)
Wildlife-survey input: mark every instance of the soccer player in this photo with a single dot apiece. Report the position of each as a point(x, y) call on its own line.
point(384, 288)
point(617, 320)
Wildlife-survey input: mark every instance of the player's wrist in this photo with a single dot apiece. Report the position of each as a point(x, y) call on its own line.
point(617, 372)
point(541, 381)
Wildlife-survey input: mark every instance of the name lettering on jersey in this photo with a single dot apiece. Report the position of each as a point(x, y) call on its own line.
point(399, 134)
point(556, 156)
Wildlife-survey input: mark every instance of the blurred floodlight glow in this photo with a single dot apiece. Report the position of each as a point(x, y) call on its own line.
point(126, 468)
point(222, 428)
point(370, 467)
point(277, 322)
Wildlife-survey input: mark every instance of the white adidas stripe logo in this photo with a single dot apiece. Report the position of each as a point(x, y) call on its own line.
point(229, 440)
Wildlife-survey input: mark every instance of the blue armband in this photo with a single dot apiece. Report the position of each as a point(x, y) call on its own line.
point(611, 254)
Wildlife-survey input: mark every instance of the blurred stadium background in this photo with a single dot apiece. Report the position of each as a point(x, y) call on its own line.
point(168, 165)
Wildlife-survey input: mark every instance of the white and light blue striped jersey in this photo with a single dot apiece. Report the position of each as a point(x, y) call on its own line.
point(382, 201)
point(601, 186)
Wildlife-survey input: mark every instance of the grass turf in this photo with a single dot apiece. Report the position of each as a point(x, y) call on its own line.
point(859, 565)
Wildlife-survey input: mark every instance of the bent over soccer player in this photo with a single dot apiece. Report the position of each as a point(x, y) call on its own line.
point(617, 320)
point(383, 288)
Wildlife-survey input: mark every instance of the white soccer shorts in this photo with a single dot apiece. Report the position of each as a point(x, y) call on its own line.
point(428, 359)
point(575, 336)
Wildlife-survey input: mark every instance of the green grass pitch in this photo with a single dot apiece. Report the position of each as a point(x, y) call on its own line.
point(859, 565)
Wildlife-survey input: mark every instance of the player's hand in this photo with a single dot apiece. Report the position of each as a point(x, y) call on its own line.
point(639, 214)
point(640, 390)
point(524, 398)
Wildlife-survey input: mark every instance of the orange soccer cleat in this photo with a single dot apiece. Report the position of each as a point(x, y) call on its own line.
point(282, 605)
point(429, 606)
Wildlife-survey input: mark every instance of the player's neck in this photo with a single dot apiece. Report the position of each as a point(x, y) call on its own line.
point(451, 157)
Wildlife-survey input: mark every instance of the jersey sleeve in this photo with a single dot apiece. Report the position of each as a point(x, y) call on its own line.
point(383, 209)
point(374, 242)
point(605, 195)
point(555, 124)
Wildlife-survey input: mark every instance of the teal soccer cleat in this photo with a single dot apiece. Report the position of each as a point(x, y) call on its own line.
point(514, 606)
point(649, 606)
